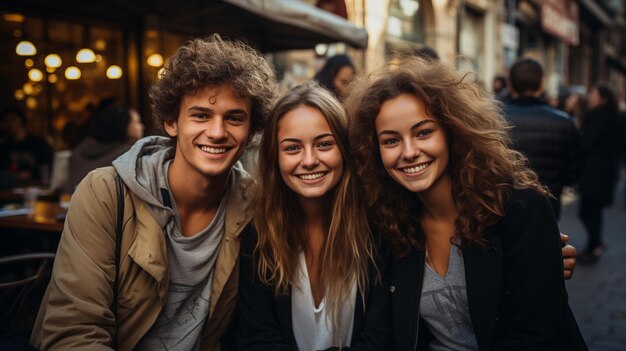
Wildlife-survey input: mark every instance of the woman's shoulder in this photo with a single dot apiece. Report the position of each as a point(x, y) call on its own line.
point(527, 198)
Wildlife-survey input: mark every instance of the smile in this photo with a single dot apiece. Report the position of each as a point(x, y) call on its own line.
point(312, 176)
point(213, 150)
point(415, 169)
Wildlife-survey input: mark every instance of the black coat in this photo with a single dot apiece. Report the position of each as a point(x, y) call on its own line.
point(264, 319)
point(599, 142)
point(515, 287)
point(548, 138)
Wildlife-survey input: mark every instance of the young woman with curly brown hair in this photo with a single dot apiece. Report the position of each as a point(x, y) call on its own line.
point(477, 253)
point(308, 278)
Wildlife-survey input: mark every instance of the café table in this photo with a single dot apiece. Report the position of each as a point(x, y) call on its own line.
point(46, 217)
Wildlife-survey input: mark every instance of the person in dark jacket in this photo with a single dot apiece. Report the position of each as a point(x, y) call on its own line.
point(25, 159)
point(111, 133)
point(477, 262)
point(545, 135)
point(600, 153)
point(308, 279)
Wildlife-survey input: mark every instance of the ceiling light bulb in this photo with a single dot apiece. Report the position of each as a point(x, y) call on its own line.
point(85, 56)
point(53, 60)
point(155, 60)
point(114, 72)
point(25, 48)
point(35, 75)
point(72, 73)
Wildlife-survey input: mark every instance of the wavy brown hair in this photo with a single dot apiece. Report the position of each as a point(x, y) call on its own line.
point(279, 218)
point(210, 62)
point(482, 165)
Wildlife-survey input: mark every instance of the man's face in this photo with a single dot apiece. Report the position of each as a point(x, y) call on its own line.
point(211, 131)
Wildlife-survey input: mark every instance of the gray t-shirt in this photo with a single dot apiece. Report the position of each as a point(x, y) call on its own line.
point(191, 264)
point(445, 309)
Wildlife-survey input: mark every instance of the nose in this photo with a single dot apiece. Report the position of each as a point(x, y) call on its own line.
point(309, 158)
point(216, 129)
point(410, 150)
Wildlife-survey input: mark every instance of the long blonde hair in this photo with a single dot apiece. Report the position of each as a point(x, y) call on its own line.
point(279, 218)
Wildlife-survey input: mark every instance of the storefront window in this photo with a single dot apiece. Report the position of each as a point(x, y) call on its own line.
point(406, 20)
point(70, 70)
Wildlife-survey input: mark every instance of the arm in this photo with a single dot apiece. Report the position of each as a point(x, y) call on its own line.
point(535, 290)
point(75, 312)
point(569, 257)
point(258, 324)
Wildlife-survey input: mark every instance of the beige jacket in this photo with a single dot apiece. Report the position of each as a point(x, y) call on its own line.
point(76, 313)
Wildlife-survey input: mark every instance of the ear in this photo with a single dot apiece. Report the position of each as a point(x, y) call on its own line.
point(171, 127)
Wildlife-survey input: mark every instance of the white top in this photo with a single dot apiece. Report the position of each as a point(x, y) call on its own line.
point(312, 326)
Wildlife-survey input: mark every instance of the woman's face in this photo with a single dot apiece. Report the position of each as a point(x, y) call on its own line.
point(135, 127)
point(413, 146)
point(594, 100)
point(308, 156)
point(343, 78)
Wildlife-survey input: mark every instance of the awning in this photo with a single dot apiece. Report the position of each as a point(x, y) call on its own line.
point(268, 25)
point(273, 25)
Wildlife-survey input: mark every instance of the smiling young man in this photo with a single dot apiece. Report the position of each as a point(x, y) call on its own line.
point(185, 207)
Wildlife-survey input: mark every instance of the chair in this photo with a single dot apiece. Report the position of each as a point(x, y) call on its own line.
point(17, 322)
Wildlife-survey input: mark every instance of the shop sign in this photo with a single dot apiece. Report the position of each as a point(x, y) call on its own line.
point(510, 36)
point(560, 18)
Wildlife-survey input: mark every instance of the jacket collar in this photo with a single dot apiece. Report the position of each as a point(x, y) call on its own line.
point(483, 276)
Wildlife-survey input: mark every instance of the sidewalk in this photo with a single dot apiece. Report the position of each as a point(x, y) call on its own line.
point(598, 292)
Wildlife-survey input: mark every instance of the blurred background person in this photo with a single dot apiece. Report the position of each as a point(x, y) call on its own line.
point(336, 75)
point(500, 88)
point(599, 140)
point(25, 159)
point(427, 53)
point(545, 135)
point(111, 132)
point(575, 105)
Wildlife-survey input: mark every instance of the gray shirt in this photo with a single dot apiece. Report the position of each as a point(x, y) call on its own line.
point(445, 309)
point(191, 264)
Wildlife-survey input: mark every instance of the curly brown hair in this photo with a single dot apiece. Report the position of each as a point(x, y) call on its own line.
point(483, 167)
point(213, 61)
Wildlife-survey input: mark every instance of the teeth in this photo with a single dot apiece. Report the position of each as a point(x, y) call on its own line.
point(311, 176)
point(415, 169)
point(213, 150)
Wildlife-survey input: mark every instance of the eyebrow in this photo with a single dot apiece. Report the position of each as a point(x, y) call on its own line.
point(295, 140)
point(206, 109)
point(416, 125)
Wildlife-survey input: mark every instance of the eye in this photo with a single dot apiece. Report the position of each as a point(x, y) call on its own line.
point(291, 149)
point(389, 142)
point(235, 118)
point(424, 133)
point(325, 145)
point(200, 115)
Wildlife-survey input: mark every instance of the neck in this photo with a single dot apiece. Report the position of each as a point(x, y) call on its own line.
point(195, 192)
point(438, 203)
point(313, 210)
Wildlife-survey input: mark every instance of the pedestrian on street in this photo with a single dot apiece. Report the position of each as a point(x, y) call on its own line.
point(477, 261)
point(185, 200)
point(600, 155)
point(545, 135)
point(310, 280)
point(336, 75)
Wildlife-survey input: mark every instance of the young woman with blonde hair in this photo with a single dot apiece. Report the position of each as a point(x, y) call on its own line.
point(478, 262)
point(309, 279)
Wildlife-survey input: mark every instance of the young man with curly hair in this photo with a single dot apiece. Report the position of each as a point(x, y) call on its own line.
point(185, 206)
